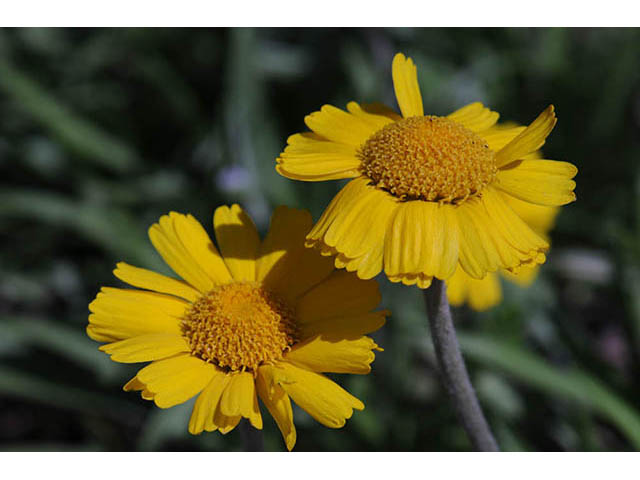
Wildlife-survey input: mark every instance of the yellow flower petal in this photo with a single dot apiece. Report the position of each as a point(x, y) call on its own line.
point(448, 237)
point(543, 182)
point(239, 398)
point(355, 223)
point(166, 241)
point(318, 168)
point(475, 116)
point(133, 385)
point(278, 404)
point(175, 380)
point(317, 159)
point(492, 236)
point(510, 226)
point(368, 265)
point(422, 239)
point(144, 348)
point(499, 136)
point(485, 293)
point(199, 245)
point(481, 294)
point(376, 120)
point(286, 233)
point(458, 287)
point(342, 294)
point(405, 84)
point(531, 139)
point(339, 126)
point(379, 109)
point(305, 138)
point(119, 314)
point(330, 355)
point(223, 423)
point(309, 143)
point(403, 246)
point(419, 279)
point(142, 278)
point(284, 265)
point(207, 403)
point(362, 207)
point(349, 327)
point(321, 398)
point(539, 217)
point(99, 334)
point(524, 277)
point(477, 252)
point(238, 241)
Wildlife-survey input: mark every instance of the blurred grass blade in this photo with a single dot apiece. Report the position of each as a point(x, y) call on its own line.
point(567, 382)
point(79, 134)
point(164, 425)
point(16, 383)
point(112, 229)
point(65, 341)
point(52, 447)
point(250, 126)
point(158, 72)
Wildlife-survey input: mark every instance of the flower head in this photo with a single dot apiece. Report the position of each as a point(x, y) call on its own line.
point(429, 194)
point(250, 319)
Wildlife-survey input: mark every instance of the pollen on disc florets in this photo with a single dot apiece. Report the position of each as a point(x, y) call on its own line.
point(428, 158)
point(240, 326)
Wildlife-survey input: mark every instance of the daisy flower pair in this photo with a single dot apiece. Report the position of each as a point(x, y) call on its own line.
point(457, 198)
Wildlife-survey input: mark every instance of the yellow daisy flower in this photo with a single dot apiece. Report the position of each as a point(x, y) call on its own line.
point(428, 193)
point(252, 319)
point(482, 294)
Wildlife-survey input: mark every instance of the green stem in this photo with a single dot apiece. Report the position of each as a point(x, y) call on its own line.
point(453, 370)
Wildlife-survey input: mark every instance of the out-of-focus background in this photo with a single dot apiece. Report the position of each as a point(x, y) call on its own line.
point(104, 130)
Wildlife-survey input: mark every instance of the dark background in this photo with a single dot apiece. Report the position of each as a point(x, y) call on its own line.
point(104, 130)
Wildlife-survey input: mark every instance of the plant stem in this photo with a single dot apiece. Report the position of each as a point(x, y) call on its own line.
point(251, 437)
point(453, 370)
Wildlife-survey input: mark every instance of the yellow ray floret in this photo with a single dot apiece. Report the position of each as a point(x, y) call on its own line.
point(250, 320)
point(487, 292)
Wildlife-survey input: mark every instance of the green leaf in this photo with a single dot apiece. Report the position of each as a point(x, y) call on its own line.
point(571, 383)
point(163, 425)
point(63, 340)
point(17, 383)
point(112, 229)
point(77, 133)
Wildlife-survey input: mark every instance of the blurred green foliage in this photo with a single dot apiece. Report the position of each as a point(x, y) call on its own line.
point(104, 130)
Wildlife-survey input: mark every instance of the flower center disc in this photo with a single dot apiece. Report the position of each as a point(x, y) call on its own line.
point(239, 326)
point(428, 158)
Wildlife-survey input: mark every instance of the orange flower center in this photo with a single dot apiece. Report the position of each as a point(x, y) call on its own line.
point(240, 326)
point(428, 158)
